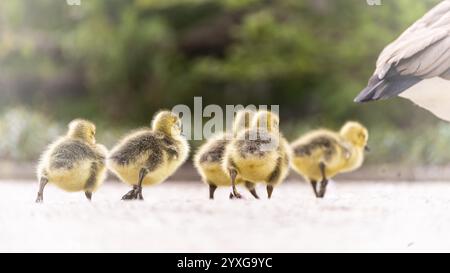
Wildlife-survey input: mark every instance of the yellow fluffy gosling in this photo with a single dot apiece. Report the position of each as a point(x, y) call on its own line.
point(209, 157)
point(74, 162)
point(150, 155)
point(322, 154)
point(259, 154)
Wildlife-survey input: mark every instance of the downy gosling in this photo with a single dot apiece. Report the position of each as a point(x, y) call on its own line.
point(150, 155)
point(259, 154)
point(209, 157)
point(74, 162)
point(322, 154)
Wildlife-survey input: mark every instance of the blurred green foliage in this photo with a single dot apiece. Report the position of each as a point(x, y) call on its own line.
point(25, 134)
point(118, 61)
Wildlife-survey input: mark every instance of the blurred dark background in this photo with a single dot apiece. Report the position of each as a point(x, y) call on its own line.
point(117, 62)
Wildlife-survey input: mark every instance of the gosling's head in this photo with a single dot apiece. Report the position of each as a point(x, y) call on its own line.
point(242, 120)
point(266, 120)
point(167, 122)
point(83, 130)
point(356, 133)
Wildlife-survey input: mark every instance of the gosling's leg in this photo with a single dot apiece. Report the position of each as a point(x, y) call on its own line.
point(274, 178)
point(324, 183)
point(212, 190)
point(251, 188)
point(269, 191)
point(42, 183)
point(234, 193)
point(323, 188)
point(88, 196)
point(314, 186)
point(136, 193)
point(142, 175)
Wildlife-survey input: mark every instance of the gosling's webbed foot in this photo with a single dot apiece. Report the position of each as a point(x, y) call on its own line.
point(254, 193)
point(235, 195)
point(88, 196)
point(134, 194)
point(40, 195)
point(131, 195)
point(39, 199)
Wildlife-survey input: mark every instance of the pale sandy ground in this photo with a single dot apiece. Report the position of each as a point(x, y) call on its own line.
point(178, 217)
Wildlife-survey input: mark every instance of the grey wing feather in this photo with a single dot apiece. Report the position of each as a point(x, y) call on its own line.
point(423, 38)
point(421, 52)
point(424, 55)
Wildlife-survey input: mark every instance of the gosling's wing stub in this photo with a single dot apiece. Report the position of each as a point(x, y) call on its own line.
point(323, 144)
point(215, 152)
point(66, 154)
point(134, 147)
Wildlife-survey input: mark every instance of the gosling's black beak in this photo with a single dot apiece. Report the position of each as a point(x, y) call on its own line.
point(367, 148)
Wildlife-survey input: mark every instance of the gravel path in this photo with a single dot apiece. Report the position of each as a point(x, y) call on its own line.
point(357, 216)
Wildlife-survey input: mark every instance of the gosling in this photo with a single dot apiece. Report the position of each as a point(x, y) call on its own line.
point(150, 155)
point(209, 157)
point(74, 162)
point(259, 154)
point(322, 154)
